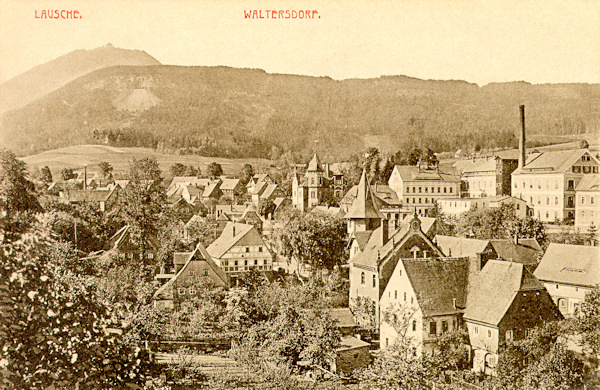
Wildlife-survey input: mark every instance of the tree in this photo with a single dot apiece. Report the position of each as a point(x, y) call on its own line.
point(246, 173)
point(193, 171)
point(53, 325)
point(67, 174)
point(141, 204)
point(46, 175)
point(105, 169)
point(17, 199)
point(214, 170)
point(316, 239)
point(178, 169)
point(589, 321)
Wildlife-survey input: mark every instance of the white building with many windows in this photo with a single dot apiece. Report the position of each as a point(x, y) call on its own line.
point(548, 181)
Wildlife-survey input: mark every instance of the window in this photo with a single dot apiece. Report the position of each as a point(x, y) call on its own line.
point(396, 294)
point(404, 297)
point(247, 249)
point(425, 189)
point(245, 262)
point(236, 263)
point(255, 262)
point(594, 169)
point(555, 200)
point(192, 291)
point(570, 185)
point(414, 326)
point(432, 328)
point(260, 248)
point(444, 326)
point(591, 200)
point(181, 291)
point(547, 200)
point(509, 334)
point(407, 190)
point(419, 200)
point(489, 334)
point(438, 190)
point(225, 263)
point(576, 169)
point(444, 190)
point(419, 189)
point(582, 199)
point(450, 189)
point(362, 278)
point(192, 273)
point(476, 330)
point(374, 281)
point(400, 272)
point(414, 188)
point(412, 299)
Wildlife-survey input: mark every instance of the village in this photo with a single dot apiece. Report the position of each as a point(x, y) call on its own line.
point(429, 273)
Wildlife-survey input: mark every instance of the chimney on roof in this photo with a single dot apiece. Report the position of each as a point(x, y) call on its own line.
point(522, 138)
point(233, 231)
point(385, 229)
point(516, 238)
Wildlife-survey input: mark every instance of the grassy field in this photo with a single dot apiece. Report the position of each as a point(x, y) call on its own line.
point(78, 156)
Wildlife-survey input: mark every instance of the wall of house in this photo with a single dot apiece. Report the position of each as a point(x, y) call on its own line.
point(483, 184)
point(545, 193)
point(587, 209)
point(352, 359)
point(528, 310)
point(483, 336)
point(188, 282)
point(566, 297)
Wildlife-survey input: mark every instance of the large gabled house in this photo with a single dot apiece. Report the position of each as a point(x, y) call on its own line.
point(194, 270)
point(423, 299)
point(370, 270)
point(504, 302)
point(420, 187)
point(241, 248)
point(548, 180)
point(569, 272)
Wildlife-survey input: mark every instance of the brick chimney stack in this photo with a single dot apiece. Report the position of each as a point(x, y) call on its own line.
point(522, 153)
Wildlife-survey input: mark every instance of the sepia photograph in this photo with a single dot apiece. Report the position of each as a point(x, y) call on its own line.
point(309, 194)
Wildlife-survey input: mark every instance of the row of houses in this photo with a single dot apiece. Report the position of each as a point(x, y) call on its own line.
point(420, 285)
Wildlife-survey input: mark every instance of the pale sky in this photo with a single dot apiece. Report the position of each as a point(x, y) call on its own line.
point(476, 41)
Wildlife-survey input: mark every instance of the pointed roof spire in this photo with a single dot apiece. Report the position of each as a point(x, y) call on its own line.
point(364, 205)
point(314, 164)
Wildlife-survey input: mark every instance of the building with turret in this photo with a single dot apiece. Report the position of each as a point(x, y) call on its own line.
point(308, 190)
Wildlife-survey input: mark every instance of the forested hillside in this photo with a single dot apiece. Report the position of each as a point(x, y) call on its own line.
point(45, 78)
point(220, 111)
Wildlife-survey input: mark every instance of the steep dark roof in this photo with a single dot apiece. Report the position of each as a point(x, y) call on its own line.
point(440, 284)
point(343, 317)
point(495, 288)
point(362, 238)
point(314, 164)
point(227, 239)
point(509, 251)
point(364, 205)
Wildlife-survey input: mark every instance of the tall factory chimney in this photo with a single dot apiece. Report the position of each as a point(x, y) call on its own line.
point(522, 153)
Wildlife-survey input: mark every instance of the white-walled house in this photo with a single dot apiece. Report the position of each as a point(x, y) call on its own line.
point(587, 202)
point(423, 299)
point(569, 272)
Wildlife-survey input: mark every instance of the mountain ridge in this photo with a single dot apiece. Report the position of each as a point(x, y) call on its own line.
point(42, 79)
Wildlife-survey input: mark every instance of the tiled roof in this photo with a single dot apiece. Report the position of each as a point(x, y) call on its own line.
point(554, 161)
point(364, 205)
point(333, 211)
point(509, 251)
point(411, 173)
point(439, 284)
point(589, 183)
point(362, 238)
point(570, 264)
point(460, 246)
point(88, 195)
point(495, 288)
point(227, 240)
point(194, 191)
point(199, 253)
point(343, 317)
point(229, 184)
point(211, 188)
point(269, 190)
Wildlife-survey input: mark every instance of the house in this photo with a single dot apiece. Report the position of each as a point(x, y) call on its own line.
point(251, 217)
point(587, 202)
point(335, 173)
point(197, 272)
point(232, 189)
point(103, 199)
point(456, 206)
point(420, 187)
point(568, 272)
point(309, 190)
point(548, 181)
point(212, 191)
point(121, 243)
point(184, 210)
point(266, 193)
point(371, 269)
point(487, 176)
point(230, 210)
point(240, 248)
point(503, 303)
point(423, 299)
point(352, 354)
point(525, 251)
